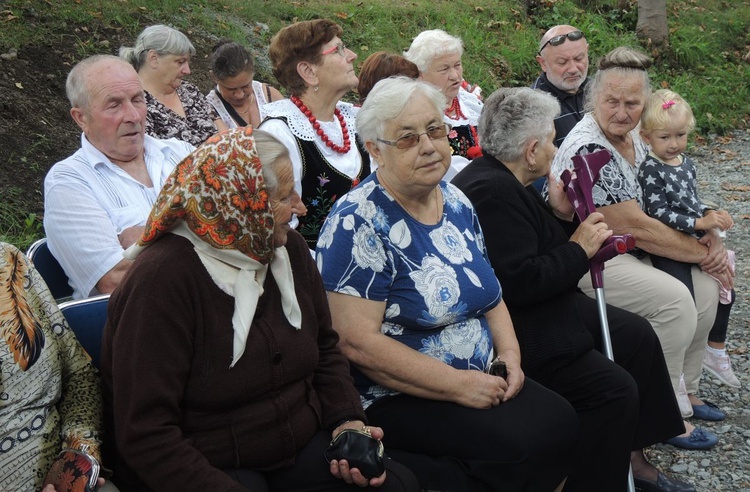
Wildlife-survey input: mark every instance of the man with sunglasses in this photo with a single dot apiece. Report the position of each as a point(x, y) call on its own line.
point(564, 57)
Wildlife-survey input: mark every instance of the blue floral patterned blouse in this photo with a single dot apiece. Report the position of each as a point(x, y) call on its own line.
point(435, 279)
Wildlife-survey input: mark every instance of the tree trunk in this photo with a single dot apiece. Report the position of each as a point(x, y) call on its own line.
point(652, 22)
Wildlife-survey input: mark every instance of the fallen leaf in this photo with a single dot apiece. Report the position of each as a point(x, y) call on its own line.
point(342, 15)
point(19, 85)
point(745, 216)
point(733, 187)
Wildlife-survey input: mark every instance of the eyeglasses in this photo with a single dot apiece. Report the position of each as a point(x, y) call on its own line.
point(340, 48)
point(558, 40)
point(412, 139)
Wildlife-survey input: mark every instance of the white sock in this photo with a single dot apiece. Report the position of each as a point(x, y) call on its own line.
point(716, 351)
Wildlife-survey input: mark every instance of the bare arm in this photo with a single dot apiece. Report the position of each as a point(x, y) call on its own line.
point(399, 367)
point(220, 125)
point(111, 279)
point(275, 94)
point(652, 235)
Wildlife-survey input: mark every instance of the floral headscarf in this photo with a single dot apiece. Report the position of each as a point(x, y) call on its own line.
point(217, 199)
point(219, 192)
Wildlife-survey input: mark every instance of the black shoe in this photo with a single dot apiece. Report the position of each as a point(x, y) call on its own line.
point(663, 483)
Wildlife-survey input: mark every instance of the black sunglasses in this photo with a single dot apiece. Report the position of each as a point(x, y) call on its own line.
point(558, 40)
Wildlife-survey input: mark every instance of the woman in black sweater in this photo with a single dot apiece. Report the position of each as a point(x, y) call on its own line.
point(539, 259)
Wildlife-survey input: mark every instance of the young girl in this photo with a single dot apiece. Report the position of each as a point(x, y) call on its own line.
point(668, 180)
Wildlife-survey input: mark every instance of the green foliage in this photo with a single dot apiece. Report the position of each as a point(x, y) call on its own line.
point(707, 60)
point(18, 227)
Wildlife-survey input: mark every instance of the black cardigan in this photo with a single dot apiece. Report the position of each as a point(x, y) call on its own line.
point(538, 267)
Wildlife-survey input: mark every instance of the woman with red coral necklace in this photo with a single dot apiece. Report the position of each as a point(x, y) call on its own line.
point(316, 68)
point(437, 54)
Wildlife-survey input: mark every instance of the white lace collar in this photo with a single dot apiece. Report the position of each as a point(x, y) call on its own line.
point(301, 127)
point(471, 107)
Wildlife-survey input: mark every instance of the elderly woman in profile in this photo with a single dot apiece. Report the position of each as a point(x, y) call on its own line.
point(622, 406)
point(317, 69)
point(220, 364)
point(437, 54)
point(616, 98)
point(238, 98)
point(176, 108)
point(420, 313)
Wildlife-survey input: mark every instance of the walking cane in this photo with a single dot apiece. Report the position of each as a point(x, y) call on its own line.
point(578, 186)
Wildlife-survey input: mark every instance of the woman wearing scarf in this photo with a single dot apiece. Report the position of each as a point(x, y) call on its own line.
point(220, 364)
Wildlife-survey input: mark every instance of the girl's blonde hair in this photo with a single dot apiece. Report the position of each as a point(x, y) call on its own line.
point(663, 107)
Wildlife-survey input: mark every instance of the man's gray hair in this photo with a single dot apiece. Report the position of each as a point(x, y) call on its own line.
point(387, 100)
point(160, 38)
point(428, 45)
point(513, 117)
point(75, 84)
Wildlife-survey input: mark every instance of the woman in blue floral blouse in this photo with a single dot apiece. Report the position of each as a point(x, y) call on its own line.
point(420, 315)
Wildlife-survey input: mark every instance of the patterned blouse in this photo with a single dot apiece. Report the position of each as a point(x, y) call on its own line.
point(194, 128)
point(670, 193)
point(618, 179)
point(50, 397)
point(436, 280)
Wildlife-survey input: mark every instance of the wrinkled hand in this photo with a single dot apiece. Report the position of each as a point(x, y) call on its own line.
point(515, 379)
point(591, 234)
point(558, 199)
point(716, 259)
point(481, 390)
point(130, 235)
point(340, 468)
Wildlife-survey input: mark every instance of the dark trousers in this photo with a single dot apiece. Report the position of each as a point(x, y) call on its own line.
point(681, 271)
point(525, 444)
point(622, 406)
point(310, 473)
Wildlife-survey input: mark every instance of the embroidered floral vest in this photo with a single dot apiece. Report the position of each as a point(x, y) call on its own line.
point(322, 185)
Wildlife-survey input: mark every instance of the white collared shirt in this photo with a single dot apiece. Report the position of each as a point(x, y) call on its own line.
point(89, 201)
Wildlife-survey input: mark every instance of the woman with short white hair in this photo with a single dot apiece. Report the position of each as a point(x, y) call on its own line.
point(437, 54)
point(421, 318)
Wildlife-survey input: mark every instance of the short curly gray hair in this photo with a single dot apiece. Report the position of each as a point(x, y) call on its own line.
point(428, 45)
point(512, 117)
point(386, 101)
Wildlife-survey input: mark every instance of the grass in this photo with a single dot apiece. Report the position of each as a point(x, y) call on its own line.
point(709, 38)
point(19, 227)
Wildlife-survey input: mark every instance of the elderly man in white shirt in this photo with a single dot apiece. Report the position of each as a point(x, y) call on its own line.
point(97, 200)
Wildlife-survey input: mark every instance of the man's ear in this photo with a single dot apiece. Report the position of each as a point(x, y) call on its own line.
point(308, 72)
point(79, 116)
point(542, 62)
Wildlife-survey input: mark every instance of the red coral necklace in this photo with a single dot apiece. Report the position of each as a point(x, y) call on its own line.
point(455, 109)
point(341, 149)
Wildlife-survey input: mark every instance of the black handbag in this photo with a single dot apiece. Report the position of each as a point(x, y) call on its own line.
point(360, 450)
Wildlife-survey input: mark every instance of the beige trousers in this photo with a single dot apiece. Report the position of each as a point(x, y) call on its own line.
point(681, 324)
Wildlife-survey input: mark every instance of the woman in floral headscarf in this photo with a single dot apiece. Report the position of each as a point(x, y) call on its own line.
point(220, 365)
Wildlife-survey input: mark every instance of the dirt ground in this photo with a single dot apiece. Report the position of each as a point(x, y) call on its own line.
point(36, 130)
